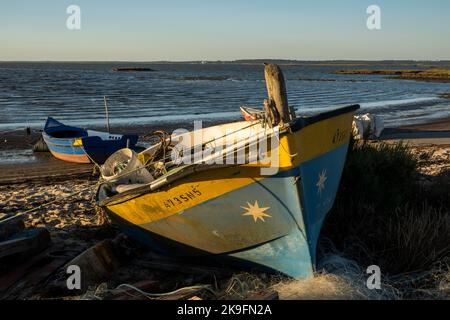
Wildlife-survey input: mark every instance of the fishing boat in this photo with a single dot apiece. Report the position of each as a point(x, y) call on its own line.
point(251, 114)
point(78, 145)
point(256, 214)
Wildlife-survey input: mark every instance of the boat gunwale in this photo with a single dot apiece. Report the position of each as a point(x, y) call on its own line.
point(48, 130)
point(185, 171)
point(294, 126)
point(302, 122)
point(85, 133)
point(177, 174)
point(59, 141)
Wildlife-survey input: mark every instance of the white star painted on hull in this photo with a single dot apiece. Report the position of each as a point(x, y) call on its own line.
point(321, 182)
point(256, 212)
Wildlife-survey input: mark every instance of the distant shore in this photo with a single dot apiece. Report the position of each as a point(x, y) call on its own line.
point(423, 63)
point(438, 125)
point(431, 75)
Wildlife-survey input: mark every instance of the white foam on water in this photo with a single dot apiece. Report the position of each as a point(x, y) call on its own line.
point(422, 101)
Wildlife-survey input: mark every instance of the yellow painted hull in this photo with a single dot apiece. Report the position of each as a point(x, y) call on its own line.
point(205, 211)
point(295, 148)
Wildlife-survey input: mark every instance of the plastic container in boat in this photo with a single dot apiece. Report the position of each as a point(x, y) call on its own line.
point(124, 167)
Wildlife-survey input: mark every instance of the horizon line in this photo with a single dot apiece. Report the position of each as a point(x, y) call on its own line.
point(234, 60)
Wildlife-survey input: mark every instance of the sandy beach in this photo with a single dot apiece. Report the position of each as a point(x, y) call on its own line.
point(75, 224)
point(435, 133)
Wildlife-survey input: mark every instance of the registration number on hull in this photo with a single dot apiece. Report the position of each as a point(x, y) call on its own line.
point(182, 198)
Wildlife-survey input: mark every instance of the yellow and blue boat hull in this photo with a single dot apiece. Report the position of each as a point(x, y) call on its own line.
point(237, 214)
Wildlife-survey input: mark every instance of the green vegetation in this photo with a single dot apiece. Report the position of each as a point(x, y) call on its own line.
point(378, 72)
point(380, 175)
point(439, 75)
point(384, 216)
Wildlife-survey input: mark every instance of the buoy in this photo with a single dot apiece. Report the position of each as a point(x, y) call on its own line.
point(124, 167)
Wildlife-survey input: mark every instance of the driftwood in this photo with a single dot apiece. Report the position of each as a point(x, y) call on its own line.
point(27, 242)
point(31, 272)
point(276, 91)
point(10, 278)
point(97, 264)
point(11, 227)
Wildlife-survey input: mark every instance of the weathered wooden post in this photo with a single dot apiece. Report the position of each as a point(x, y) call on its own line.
point(276, 91)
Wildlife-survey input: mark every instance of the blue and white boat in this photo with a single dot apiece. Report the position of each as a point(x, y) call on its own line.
point(79, 145)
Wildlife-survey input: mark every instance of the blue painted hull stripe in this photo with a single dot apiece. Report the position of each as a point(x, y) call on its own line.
point(274, 243)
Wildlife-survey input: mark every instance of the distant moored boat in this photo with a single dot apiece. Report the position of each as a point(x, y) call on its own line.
point(132, 69)
point(78, 145)
point(251, 114)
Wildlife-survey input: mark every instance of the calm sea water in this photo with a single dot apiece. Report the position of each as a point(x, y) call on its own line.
point(73, 93)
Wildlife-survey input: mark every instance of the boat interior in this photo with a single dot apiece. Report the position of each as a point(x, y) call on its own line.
point(68, 133)
point(104, 135)
point(186, 152)
point(181, 154)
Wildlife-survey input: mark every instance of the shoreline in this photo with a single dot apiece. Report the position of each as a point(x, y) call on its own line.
point(438, 125)
point(435, 133)
point(17, 139)
point(42, 166)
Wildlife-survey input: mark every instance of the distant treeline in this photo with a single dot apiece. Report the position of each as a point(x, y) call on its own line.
point(260, 61)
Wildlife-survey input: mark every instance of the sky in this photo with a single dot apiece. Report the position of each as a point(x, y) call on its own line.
point(182, 30)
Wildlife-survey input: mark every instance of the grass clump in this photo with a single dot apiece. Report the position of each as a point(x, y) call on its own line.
point(379, 175)
point(382, 216)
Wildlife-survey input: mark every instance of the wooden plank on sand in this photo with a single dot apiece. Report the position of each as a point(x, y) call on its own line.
point(166, 264)
point(26, 242)
point(11, 227)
